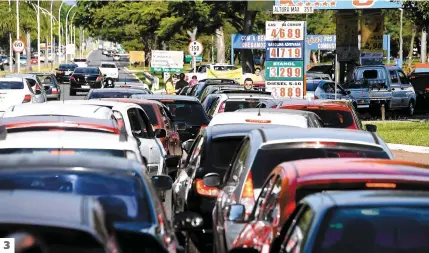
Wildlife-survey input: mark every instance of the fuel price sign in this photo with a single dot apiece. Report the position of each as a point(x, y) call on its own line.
point(284, 30)
point(284, 70)
point(285, 50)
point(286, 89)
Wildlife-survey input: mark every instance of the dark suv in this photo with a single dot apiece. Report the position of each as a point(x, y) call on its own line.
point(64, 71)
point(84, 79)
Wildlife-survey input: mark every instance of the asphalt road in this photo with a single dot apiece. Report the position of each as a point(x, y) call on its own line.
point(95, 58)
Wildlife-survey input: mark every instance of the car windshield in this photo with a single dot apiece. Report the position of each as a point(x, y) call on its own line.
point(222, 151)
point(420, 81)
point(55, 151)
point(11, 85)
point(334, 118)
point(192, 113)
point(374, 229)
point(108, 66)
point(150, 111)
point(122, 195)
point(312, 84)
point(234, 105)
point(86, 70)
point(267, 159)
point(114, 94)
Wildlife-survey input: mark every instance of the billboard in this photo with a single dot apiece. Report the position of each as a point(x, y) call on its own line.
point(137, 56)
point(166, 61)
point(248, 41)
point(320, 42)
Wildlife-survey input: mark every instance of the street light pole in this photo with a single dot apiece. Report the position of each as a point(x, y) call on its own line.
point(67, 30)
point(17, 55)
point(401, 51)
point(59, 33)
point(52, 38)
point(74, 35)
point(38, 36)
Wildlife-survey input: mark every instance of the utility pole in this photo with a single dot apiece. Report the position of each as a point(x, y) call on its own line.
point(52, 38)
point(401, 50)
point(193, 36)
point(59, 33)
point(10, 47)
point(38, 37)
point(17, 55)
point(67, 30)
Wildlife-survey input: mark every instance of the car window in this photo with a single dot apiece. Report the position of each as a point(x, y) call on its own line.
point(11, 85)
point(260, 201)
point(150, 111)
point(195, 158)
point(192, 113)
point(212, 109)
point(145, 123)
point(393, 77)
point(136, 126)
point(239, 162)
point(403, 78)
point(271, 208)
point(296, 239)
point(335, 118)
point(221, 153)
point(108, 66)
point(234, 105)
point(86, 70)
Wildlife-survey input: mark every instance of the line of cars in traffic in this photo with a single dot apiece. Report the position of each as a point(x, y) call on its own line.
point(247, 173)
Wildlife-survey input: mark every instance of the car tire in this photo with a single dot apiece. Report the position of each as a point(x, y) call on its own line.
point(411, 108)
point(72, 92)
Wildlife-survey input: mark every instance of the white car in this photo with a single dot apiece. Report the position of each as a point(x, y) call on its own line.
point(109, 70)
point(37, 138)
point(116, 57)
point(85, 111)
point(269, 116)
point(15, 91)
point(233, 100)
point(137, 124)
point(81, 63)
point(35, 84)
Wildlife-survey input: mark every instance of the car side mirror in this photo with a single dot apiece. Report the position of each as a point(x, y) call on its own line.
point(243, 250)
point(236, 212)
point(160, 133)
point(172, 161)
point(187, 145)
point(181, 127)
point(186, 221)
point(56, 69)
point(162, 182)
point(371, 128)
point(212, 180)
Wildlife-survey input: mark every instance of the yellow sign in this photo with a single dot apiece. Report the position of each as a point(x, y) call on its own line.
point(372, 24)
point(137, 56)
point(236, 74)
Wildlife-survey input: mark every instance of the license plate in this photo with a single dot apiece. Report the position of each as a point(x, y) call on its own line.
point(85, 86)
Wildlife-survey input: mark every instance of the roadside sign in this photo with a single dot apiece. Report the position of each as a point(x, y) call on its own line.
point(284, 30)
point(286, 9)
point(285, 89)
point(166, 61)
point(195, 48)
point(188, 58)
point(18, 46)
point(284, 70)
point(284, 50)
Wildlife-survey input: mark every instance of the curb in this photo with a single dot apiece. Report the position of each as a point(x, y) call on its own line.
point(126, 69)
point(409, 148)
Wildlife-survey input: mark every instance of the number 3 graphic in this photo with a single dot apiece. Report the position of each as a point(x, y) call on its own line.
point(6, 245)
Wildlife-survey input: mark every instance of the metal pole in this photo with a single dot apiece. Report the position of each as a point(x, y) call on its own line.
point(401, 52)
point(10, 48)
point(67, 30)
point(17, 55)
point(59, 33)
point(38, 36)
point(52, 38)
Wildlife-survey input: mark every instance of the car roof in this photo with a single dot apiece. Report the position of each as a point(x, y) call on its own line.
point(272, 136)
point(24, 161)
point(48, 109)
point(341, 168)
point(118, 90)
point(100, 102)
point(134, 101)
point(41, 73)
point(229, 130)
point(274, 111)
point(45, 208)
point(107, 62)
point(167, 97)
point(371, 198)
point(11, 79)
point(21, 75)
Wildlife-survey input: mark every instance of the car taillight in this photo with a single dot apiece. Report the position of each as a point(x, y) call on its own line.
point(72, 78)
point(203, 126)
point(27, 98)
point(54, 91)
point(248, 196)
point(99, 78)
point(204, 190)
point(222, 107)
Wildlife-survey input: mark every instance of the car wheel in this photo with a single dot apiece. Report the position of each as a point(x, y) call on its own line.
point(72, 92)
point(410, 108)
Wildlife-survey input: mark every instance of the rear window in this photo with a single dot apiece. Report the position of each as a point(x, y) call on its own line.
point(121, 195)
point(113, 94)
point(369, 229)
point(86, 70)
point(47, 79)
point(54, 151)
point(9, 85)
point(334, 118)
point(79, 60)
point(420, 81)
point(267, 159)
point(68, 66)
point(233, 105)
point(189, 112)
point(312, 85)
point(222, 151)
point(108, 66)
point(150, 111)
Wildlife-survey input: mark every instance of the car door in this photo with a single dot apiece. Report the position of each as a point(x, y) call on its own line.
point(406, 89)
point(395, 85)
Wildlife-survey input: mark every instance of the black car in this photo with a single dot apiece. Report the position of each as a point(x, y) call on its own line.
point(211, 152)
point(54, 221)
point(64, 71)
point(115, 93)
point(128, 195)
point(84, 79)
point(187, 111)
point(420, 81)
point(203, 84)
point(354, 221)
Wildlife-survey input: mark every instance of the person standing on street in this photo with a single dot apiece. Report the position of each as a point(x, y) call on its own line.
point(169, 87)
point(181, 83)
point(193, 81)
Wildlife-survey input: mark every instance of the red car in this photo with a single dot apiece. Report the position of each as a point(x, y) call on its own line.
point(160, 117)
point(290, 182)
point(335, 114)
